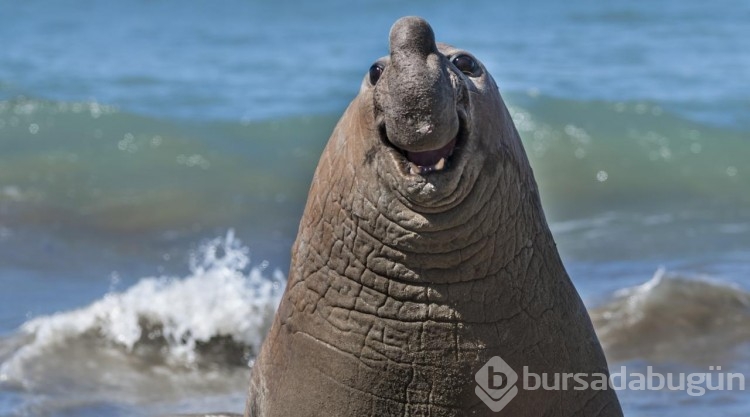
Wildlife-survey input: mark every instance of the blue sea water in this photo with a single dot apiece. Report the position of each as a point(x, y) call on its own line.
point(155, 158)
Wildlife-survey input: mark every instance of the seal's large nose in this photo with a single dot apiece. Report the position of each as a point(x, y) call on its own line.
point(413, 35)
point(415, 93)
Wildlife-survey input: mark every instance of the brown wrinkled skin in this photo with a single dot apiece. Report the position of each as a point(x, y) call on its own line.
point(402, 286)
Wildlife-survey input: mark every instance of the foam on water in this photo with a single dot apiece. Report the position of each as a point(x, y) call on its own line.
point(170, 343)
point(187, 333)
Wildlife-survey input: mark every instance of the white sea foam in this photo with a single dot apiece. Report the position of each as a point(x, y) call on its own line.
point(221, 298)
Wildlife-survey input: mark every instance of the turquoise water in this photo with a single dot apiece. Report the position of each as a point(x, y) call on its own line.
point(155, 158)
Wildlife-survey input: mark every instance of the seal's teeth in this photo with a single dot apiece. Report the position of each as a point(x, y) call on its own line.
point(415, 169)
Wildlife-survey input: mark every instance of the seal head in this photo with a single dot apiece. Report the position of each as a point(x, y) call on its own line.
point(430, 151)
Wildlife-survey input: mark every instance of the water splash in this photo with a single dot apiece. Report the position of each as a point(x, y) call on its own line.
point(216, 316)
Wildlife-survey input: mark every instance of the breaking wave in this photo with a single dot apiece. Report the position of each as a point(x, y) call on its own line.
point(163, 335)
point(675, 318)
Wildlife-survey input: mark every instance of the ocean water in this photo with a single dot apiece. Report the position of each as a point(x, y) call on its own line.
point(155, 158)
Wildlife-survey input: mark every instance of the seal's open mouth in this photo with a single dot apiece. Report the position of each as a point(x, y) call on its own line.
point(425, 162)
point(429, 161)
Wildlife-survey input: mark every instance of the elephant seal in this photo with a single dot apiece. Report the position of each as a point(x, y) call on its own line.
point(423, 253)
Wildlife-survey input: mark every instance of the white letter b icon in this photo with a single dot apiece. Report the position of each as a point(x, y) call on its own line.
point(496, 383)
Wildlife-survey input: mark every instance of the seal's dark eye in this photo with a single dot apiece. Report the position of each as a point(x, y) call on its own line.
point(467, 65)
point(376, 70)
